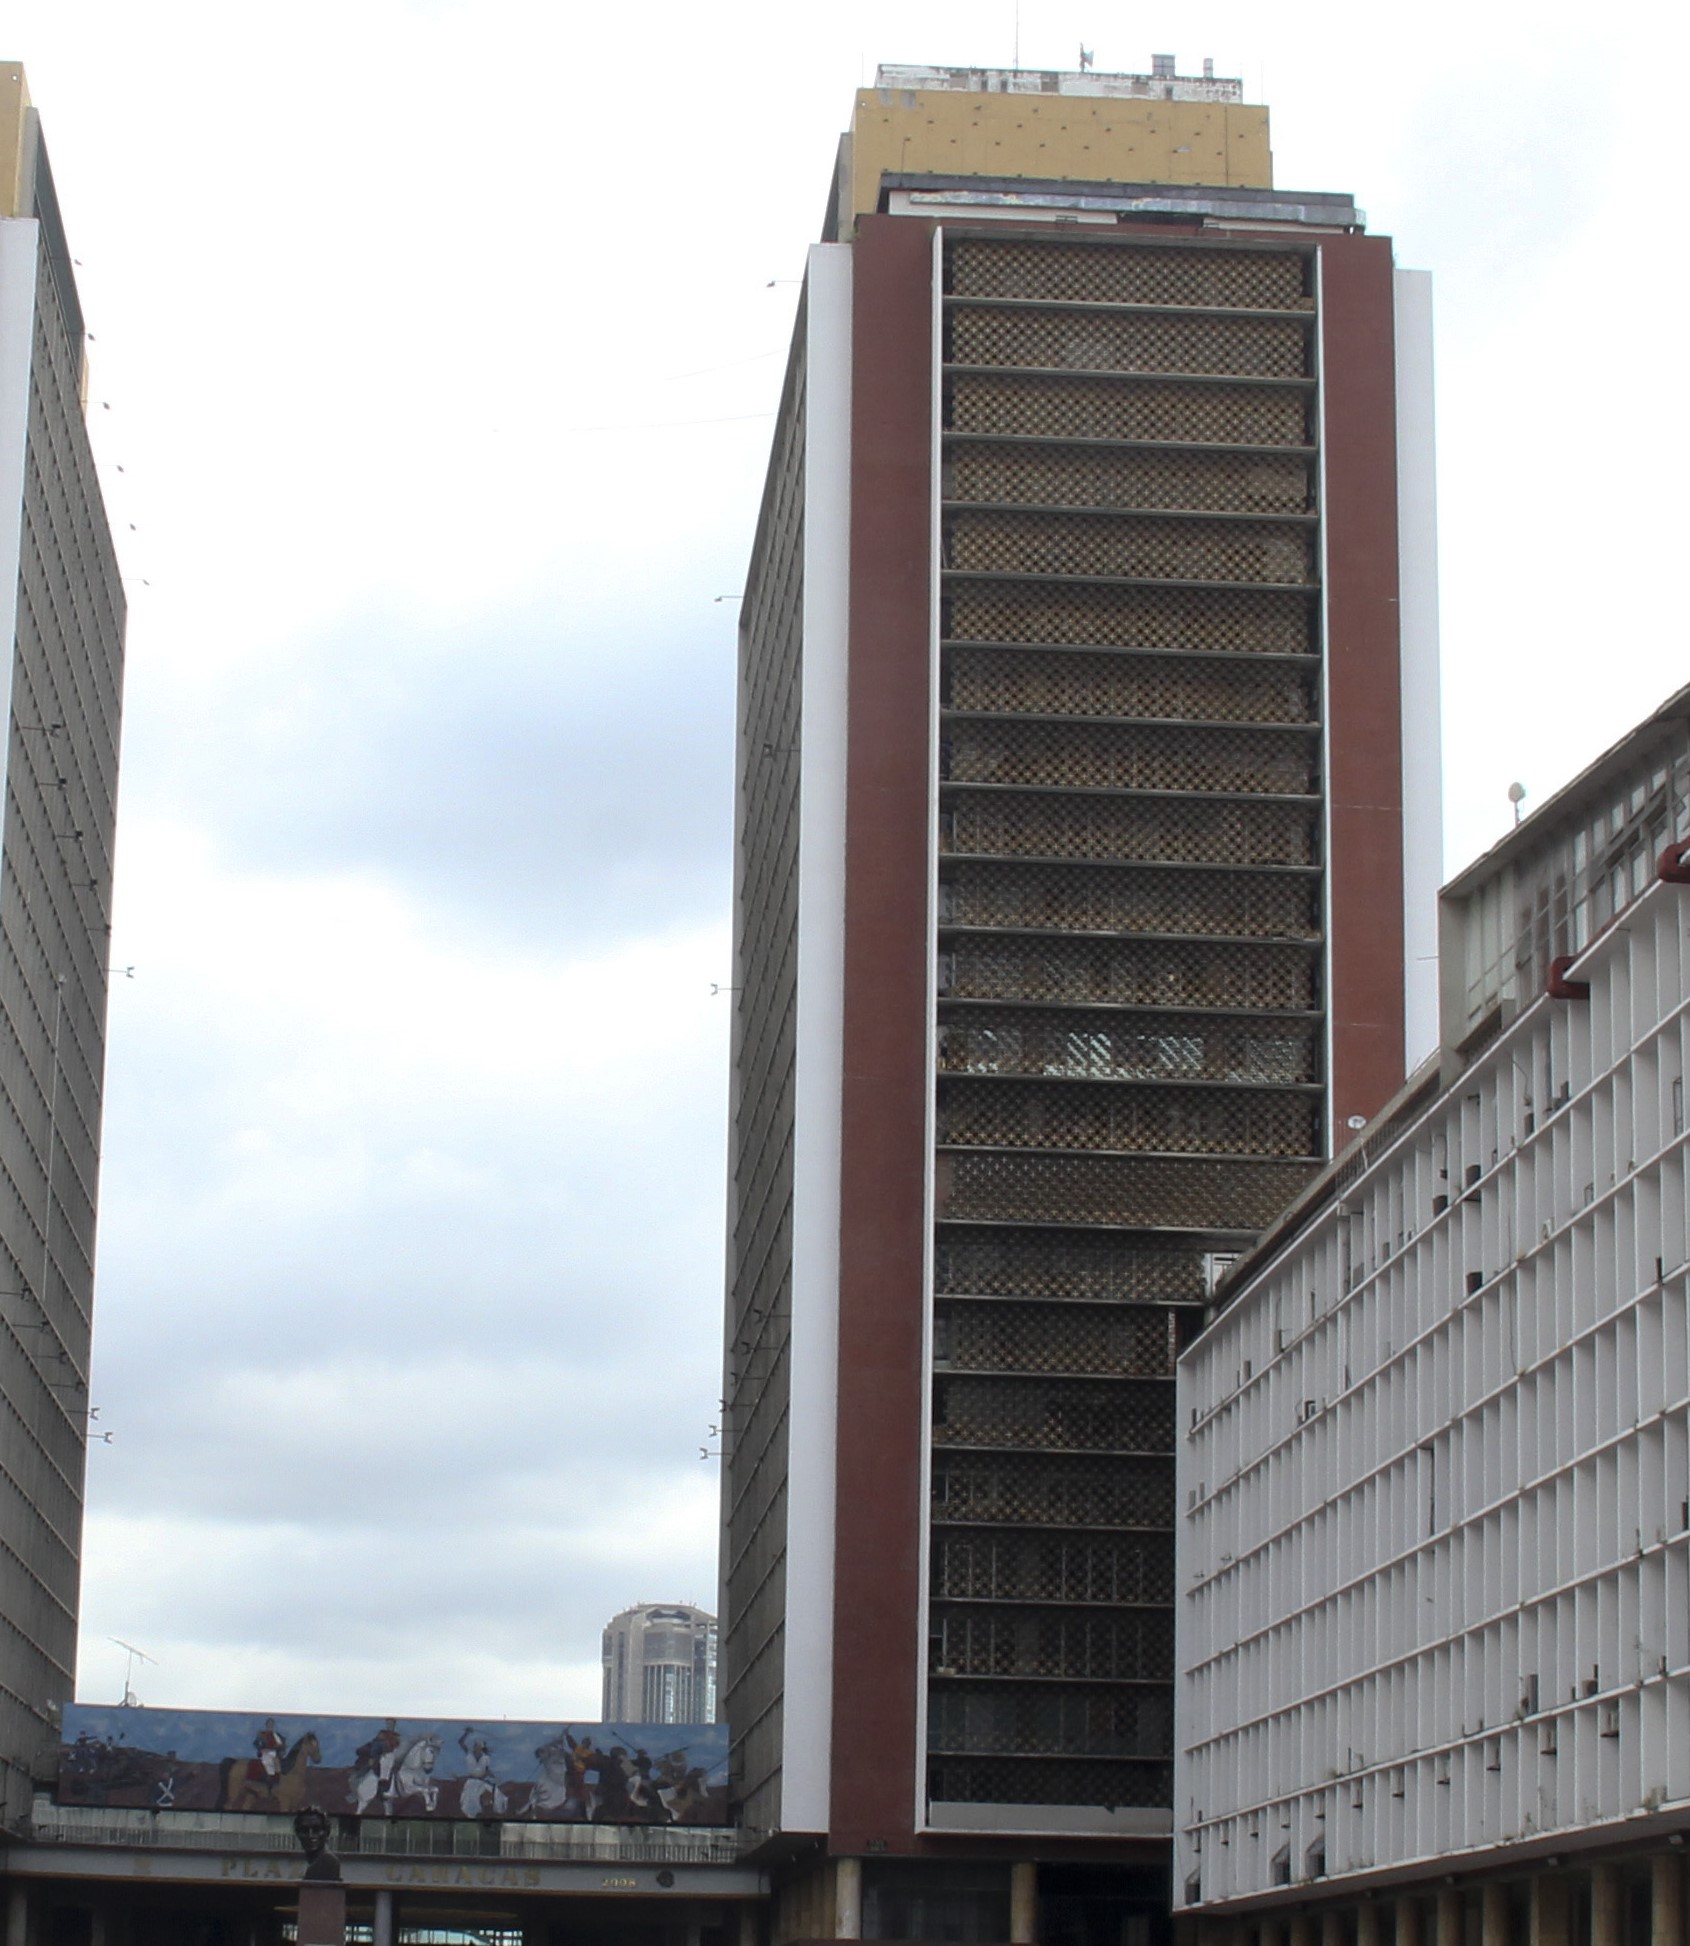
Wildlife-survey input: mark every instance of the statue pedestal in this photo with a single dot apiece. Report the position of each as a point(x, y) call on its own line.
point(322, 1915)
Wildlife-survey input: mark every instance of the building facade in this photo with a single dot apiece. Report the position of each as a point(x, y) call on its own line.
point(62, 673)
point(660, 1665)
point(1434, 1558)
point(1087, 786)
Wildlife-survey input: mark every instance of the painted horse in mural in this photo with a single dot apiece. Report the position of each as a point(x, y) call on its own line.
point(412, 1777)
point(243, 1784)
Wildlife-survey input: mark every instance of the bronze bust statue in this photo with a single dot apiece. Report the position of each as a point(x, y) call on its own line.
point(311, 1828)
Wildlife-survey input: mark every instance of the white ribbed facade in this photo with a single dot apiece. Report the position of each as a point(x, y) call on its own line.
point(1434, 1555)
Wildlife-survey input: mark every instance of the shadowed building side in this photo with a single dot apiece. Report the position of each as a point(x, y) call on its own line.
point(63, 677)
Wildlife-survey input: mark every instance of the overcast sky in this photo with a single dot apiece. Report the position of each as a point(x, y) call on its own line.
point(437, 347)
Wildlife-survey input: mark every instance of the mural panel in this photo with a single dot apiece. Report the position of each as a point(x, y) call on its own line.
point(394, 1767)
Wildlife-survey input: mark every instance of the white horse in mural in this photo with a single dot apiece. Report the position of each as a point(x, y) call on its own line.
point(413, 1776)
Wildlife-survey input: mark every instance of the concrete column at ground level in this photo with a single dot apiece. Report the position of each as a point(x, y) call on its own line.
point(1367, 1924)
point(1493, 1915)
point(99, 1933)
point(1666, 1899)
point(1302, 1930)
point(382, 1932)
point(17, 1916)
point(847, 1898)
point(1270, 1933)
point(1405, 1922)
point(1551, 1911)
point(1332, 1927)
point(1023, 1903)
point(1449, 1919)
point(1605, 1916)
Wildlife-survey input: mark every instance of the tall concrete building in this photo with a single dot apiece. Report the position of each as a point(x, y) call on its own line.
point(62, 673)
point(660, 1665)
point(1434, 1563)
point(1087, 811)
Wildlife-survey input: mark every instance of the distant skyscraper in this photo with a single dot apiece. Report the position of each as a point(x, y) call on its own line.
point(63, 677)
point(660, 1665)
point(1087, 785)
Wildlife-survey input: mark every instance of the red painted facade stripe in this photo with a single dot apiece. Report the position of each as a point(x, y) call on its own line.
point(877, 1632)
point(1364, 697)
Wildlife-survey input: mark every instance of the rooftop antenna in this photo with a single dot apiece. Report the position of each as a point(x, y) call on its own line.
point(1087, 56)
point(1516, 797)
point(130, 1699)
point(1016, 63)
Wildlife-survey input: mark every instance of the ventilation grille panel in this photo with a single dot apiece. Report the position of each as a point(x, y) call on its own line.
point(1130, 341)
point(1126, 1119)
point(1049, 1264)
point(1040, 682)
point(1128, 1192)
point(1137, 546)
point(1174, 973)
point(1190, 831)
point(1079, 476)
point(1053, 1490)
point(1134, 1647)
point(1057, 1415)
point(1079, 898)
point(1260, 280)
point(1239, 621)
point(1131, 1047)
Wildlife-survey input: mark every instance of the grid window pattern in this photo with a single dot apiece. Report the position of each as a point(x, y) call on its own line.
point(1002, 474)
point(977, 542)
point(1194, 830)
point(1095, 339)
point(1129, 821)
point(62, 731)
point(1058, 1264)
point(982, 1641)
point(1114, 756)
point(1236, 621)
point(1125, 1118)
point(1136, 972)
point(1051, 1491)
point(1029, 406)
point(1118, 1339)
point(752, 1671)
point(1056, 1415)
point(1082, 898)
point(1109, 1046)
point(1176, 690)
point(1247, 280)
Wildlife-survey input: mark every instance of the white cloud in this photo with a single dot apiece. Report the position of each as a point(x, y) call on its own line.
point(416, 1102)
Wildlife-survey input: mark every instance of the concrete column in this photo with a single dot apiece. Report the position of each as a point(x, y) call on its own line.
point(1332, 1926)
point(1406, 1922)
point(1024, 1903)
point(1449, 1919)
point(1551, 1911)
point(847, 1898)
point(1493, 1910)
point(1606, 1920)
point(98, 1932)
point(1302, 1930)
point(383, 1931)
point(1270, 1933)
point(17, 1915)
point(1666, 1899)
point(1367, 1924)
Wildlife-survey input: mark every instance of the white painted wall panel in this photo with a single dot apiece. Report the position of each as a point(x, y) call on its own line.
point(813, 1423)
point(1434, 1558)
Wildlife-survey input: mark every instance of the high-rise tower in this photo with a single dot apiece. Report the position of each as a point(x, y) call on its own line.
point(63, 674)
point(1087, 786)
point(660, 1665)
